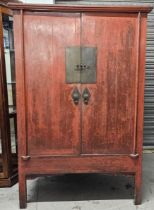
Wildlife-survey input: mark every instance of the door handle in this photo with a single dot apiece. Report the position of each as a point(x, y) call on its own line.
point(86, 96)
point(76, 96)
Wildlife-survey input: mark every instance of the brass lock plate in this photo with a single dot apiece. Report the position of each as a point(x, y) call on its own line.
point(81, 65)
point(72, 59)
point(88, 59)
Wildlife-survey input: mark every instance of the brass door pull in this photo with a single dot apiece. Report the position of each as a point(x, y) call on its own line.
point(86, 96)
point(76, 96)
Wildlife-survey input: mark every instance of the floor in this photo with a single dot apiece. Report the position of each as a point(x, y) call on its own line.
point(84, 192)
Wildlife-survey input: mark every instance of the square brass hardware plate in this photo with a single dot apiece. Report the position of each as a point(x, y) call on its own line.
point(81, 65)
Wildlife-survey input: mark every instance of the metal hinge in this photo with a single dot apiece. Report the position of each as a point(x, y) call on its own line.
point(25, 157)
point(134, 156)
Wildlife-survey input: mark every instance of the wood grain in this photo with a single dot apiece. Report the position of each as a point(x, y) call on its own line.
point(82, 164)
point(53, 120)
point(109, 118)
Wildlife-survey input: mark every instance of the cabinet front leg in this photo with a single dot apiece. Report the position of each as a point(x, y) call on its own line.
point(138, 188)
point(22, 191)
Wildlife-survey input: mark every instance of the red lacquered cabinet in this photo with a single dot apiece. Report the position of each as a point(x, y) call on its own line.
point(80, 90)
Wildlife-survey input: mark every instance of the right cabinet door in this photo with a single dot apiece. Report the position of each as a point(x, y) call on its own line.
point(109, 117)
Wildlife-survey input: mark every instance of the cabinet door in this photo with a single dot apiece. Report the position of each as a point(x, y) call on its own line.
point(109, 118)
point(53, 120)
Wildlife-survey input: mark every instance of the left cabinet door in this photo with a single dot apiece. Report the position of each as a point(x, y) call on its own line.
point(53, 119)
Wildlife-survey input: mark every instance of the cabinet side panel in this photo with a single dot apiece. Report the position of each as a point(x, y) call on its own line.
point(140, 108)
point(141, 83)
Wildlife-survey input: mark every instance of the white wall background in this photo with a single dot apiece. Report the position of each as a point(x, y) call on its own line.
point(39, 1)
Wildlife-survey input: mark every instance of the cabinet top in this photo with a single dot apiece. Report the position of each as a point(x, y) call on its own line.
point(80, 8)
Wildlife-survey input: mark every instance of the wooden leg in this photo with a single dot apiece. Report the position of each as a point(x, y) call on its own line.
point(22, 191)
point(138, 188)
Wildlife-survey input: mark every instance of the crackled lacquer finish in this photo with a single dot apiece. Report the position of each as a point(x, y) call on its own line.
point(109, 124)
point(53, 121)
